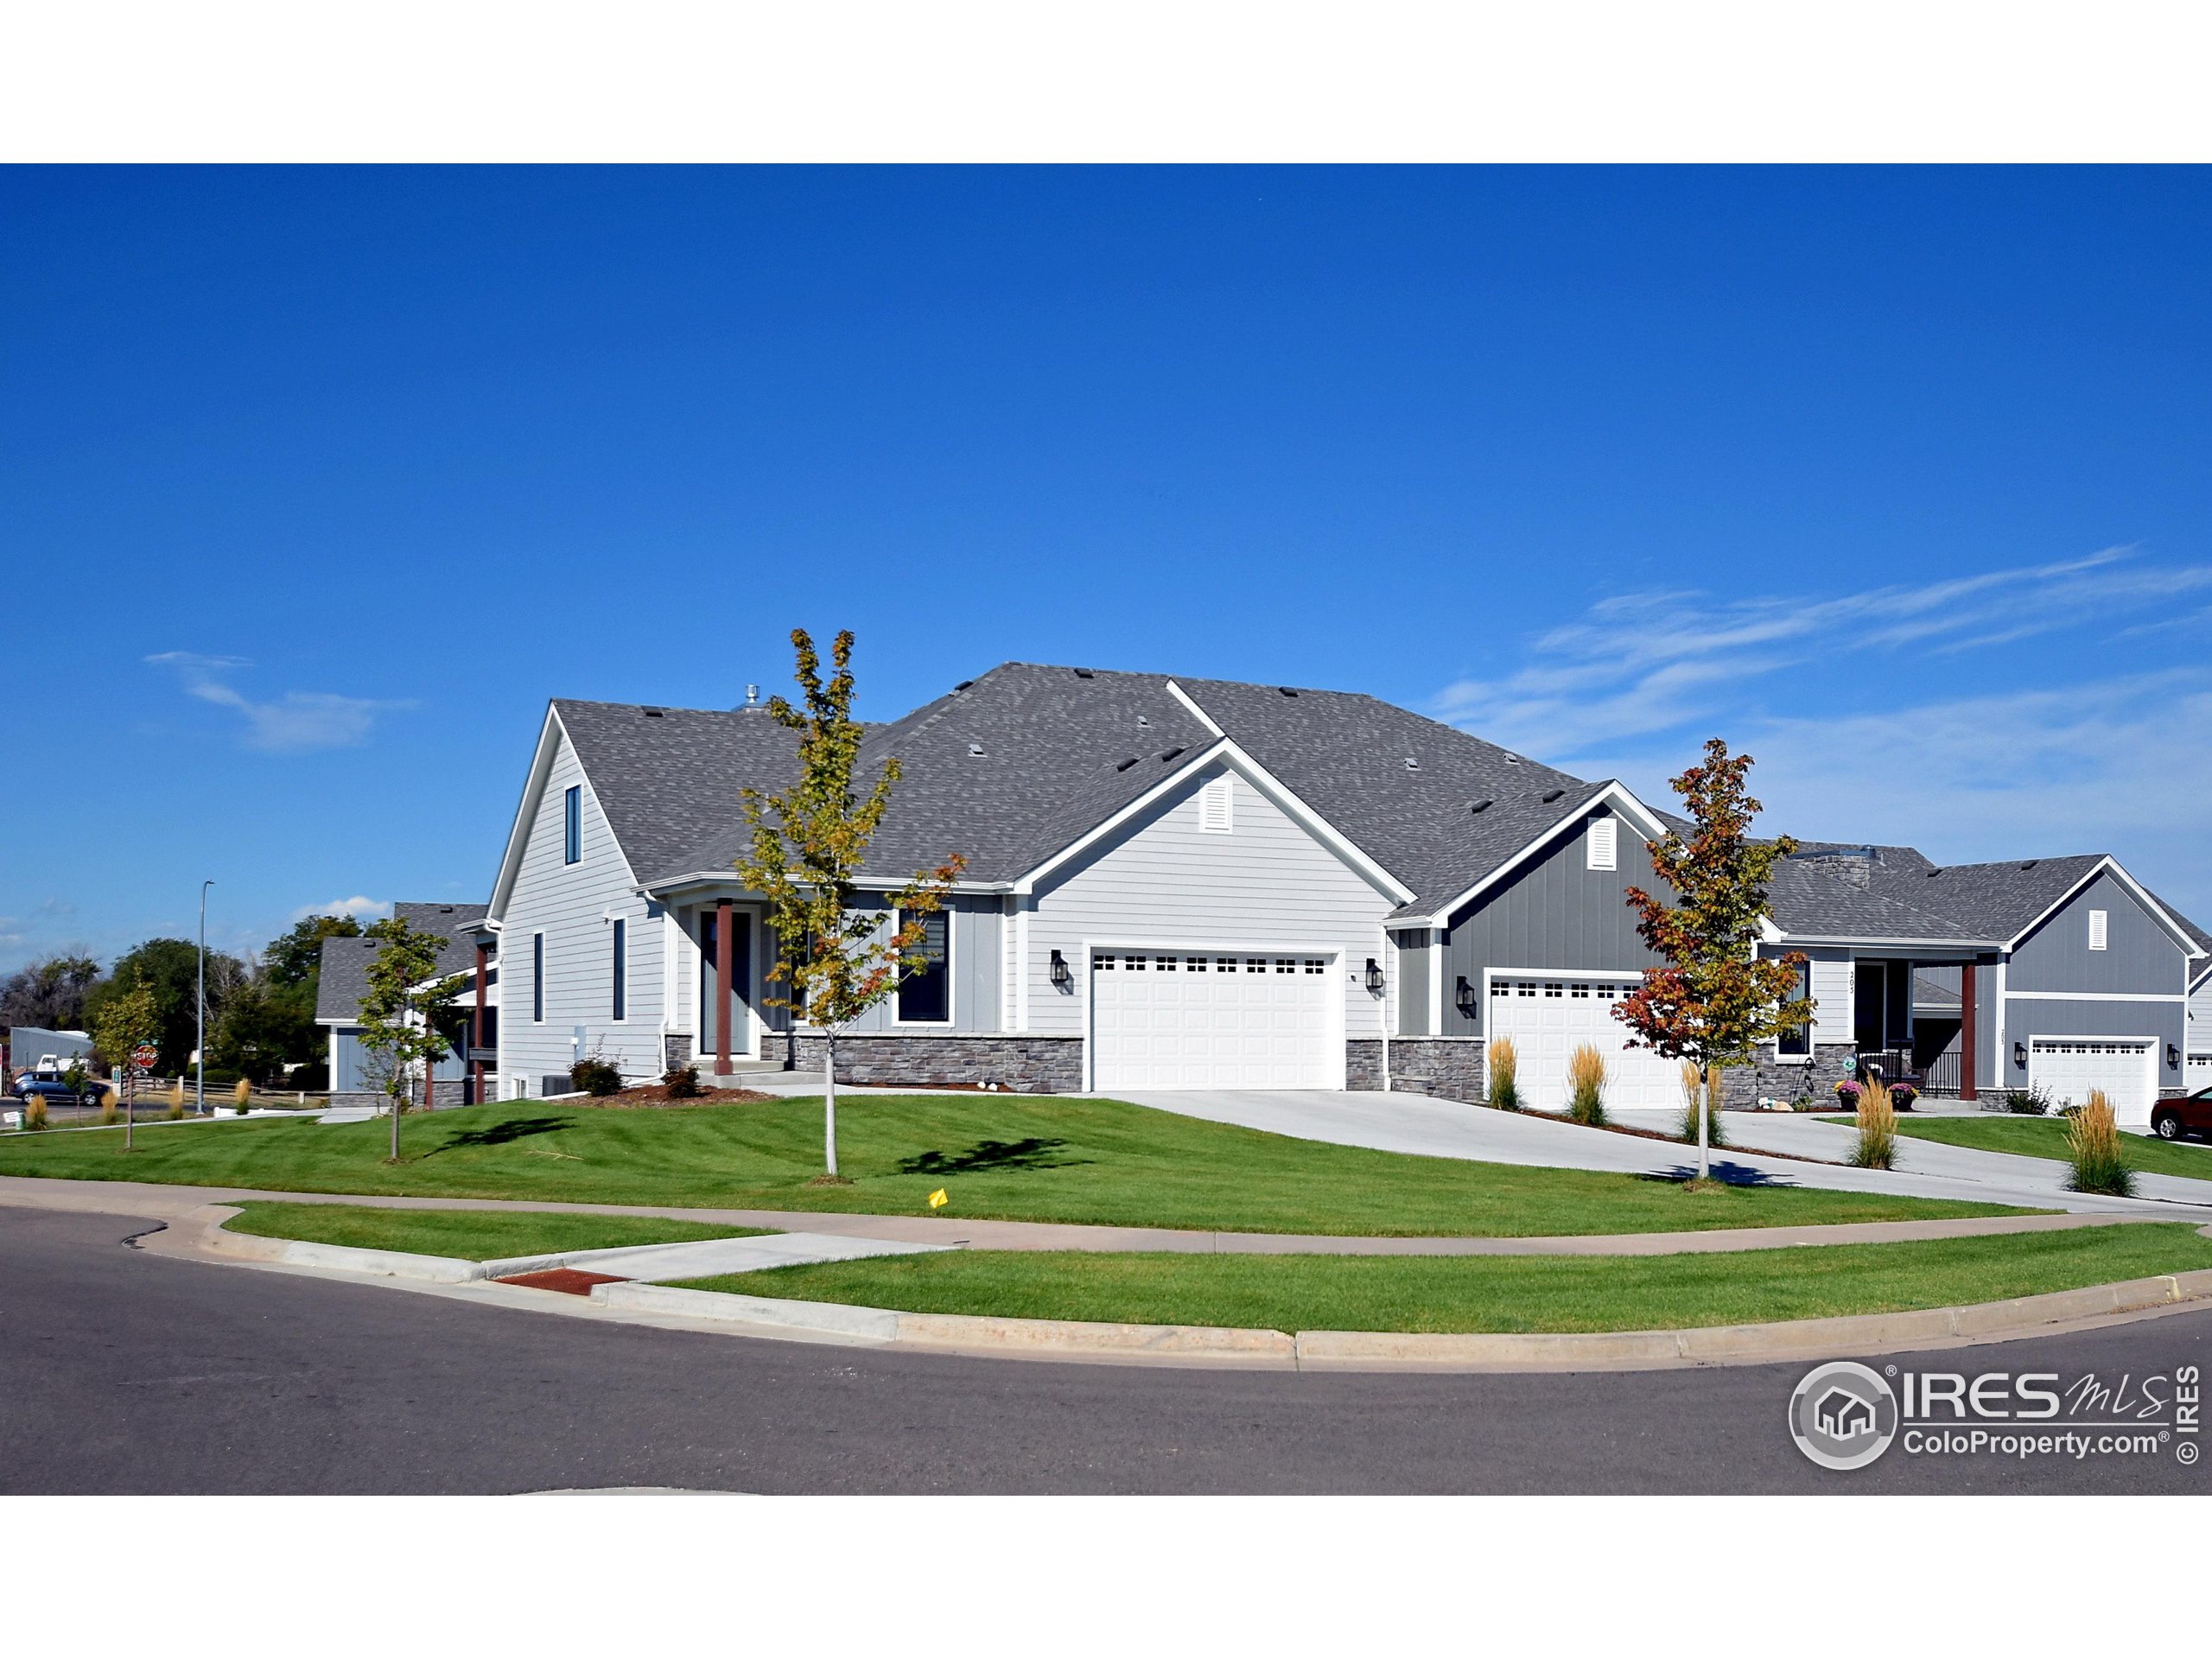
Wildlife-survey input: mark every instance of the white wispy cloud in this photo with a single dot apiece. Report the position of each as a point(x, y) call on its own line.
point(2096, 746)
point(359, 908)
point(294, 723)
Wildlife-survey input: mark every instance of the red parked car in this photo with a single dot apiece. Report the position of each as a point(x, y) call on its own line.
point(2190, 1115)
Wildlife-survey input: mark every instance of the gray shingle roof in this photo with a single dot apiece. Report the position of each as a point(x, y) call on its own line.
point(664, 777)
point(1998, 901)
point(343, 978)
point(1834, 890)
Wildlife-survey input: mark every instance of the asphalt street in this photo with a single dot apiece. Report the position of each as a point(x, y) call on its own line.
point(123, 1372)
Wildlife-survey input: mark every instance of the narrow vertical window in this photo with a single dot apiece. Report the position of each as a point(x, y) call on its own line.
point(925, 992)
point(572, 824)
point(538, 977)
point(621, 969)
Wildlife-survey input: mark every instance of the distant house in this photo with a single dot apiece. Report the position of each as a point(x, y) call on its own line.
point(344, 981)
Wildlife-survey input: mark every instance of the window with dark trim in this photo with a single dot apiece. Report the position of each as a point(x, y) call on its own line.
point(926, 991)
point(1798, 1041)
point(621, 969)
point(572, 825)
point(538, 977)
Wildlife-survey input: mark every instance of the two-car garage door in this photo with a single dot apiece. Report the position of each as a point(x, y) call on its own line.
point(1213, 1020)
point(2126, 1068)
point(1549, 1018)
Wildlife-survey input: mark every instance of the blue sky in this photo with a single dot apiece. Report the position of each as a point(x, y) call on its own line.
point(315, 484)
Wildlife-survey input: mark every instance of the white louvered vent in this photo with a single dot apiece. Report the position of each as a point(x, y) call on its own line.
point(1215, 804)
point(1604, 836)
point(2096, 929)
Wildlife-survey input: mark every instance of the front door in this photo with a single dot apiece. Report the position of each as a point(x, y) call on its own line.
point(740, 961)
point(1868, 997)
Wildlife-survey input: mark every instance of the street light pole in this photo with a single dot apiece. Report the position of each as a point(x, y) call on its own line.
point(200, 1050)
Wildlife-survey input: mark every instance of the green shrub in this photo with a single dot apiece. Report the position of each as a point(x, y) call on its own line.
point(682, 1084)
point(593, 1076)
point(1502, 1065)
point(2092, 1146)
point(2027, 1102)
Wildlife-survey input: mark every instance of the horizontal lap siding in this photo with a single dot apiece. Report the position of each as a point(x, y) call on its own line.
point(1162, 881)
point(1556, 912)
point(569, 904)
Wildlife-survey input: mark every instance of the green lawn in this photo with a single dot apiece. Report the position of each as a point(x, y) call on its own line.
point(471, 1235)
point(1010, 1156)
point(2045, 1137)
point(1416, 1292)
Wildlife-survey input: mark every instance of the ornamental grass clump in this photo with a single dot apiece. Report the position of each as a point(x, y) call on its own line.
point(1502, 1063)
point(111, 1108)
point(176, 1098)
point(241, 1097)
point(1695, 1082)
point(2093, 1148)
point(35, 1112)
point(1585, 1086)
point(1877, 1145)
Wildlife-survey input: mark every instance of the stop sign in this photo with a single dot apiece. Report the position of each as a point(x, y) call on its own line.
point(144, 1056)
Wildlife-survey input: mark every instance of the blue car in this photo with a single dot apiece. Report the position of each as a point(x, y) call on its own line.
point(57, 1088)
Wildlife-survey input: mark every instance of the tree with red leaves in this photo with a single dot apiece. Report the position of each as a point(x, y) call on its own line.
point(1717, 999)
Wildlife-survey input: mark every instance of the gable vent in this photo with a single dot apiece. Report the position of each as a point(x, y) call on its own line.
point(2097, 929)
point(1215, 804)
point(1551, 795)
point(1605, 841)
point(1125, 765)
point(1483, 806)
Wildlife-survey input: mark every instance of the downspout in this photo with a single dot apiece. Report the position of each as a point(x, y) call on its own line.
point(1389, 996)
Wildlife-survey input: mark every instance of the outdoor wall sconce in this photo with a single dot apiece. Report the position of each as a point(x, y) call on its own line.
point(2173, 1057)
point(1062, 976)
point(1374, 977)
point(1465, 996)
point(2020, 1055)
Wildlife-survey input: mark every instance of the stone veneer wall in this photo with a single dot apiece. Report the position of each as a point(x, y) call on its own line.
point(1363, 1062)
point(1450, 1067)
point(1031, 1065)
point(1788, 1079)
point(675, 1050)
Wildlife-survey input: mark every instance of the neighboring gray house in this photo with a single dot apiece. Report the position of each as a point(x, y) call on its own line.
point(343, 982)
point(1169, 884)
point(2080, 976)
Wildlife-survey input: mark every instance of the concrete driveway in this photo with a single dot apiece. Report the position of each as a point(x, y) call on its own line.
point(1446, 1128)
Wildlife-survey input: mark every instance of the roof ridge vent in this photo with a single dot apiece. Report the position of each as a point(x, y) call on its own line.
point(1551, 795)
point(1084, 674)
point(1125, 765)
point(2030, 864)
point(1412, 763)
point(1483, 806)
point(652, 713)
point(1169, 754)
point(1288, 691)
point(1512, 759)
point(974, 748)
point(1144, 719)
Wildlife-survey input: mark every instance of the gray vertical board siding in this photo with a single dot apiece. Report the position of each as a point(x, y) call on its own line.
point(349, 1070)
point(1553, 913)
point(2199, 1025)
point(1160, 880)
point(2138, 956)
point(569, 904)
point(2026, 1018)
point(1415, 963)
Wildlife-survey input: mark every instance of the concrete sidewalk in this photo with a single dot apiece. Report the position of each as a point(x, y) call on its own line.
point(707, 1257)
point(1785, 1145)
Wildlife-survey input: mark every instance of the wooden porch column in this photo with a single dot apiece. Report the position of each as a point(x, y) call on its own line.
point(724, 962)
point(476, 1031)
point(1969, 994)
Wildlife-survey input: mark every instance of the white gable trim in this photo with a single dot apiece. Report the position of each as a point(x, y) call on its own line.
point(1197, 712)
point(550, 736)
point(2159, 912)
point(1261, 780)
point(1616, 794)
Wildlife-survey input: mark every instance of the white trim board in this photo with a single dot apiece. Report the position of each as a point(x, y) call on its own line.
point(2093, 996)
point(1615, 791)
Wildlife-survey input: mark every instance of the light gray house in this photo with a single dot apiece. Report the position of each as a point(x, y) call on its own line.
point(343, 982)
point(1169, 884)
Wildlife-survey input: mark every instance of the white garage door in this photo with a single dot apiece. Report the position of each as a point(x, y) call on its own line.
point(1212, 1021)
point(2068, 1067)
point(1549, 1018)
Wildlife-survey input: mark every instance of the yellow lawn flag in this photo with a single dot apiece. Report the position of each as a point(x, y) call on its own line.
point(938, 1200)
